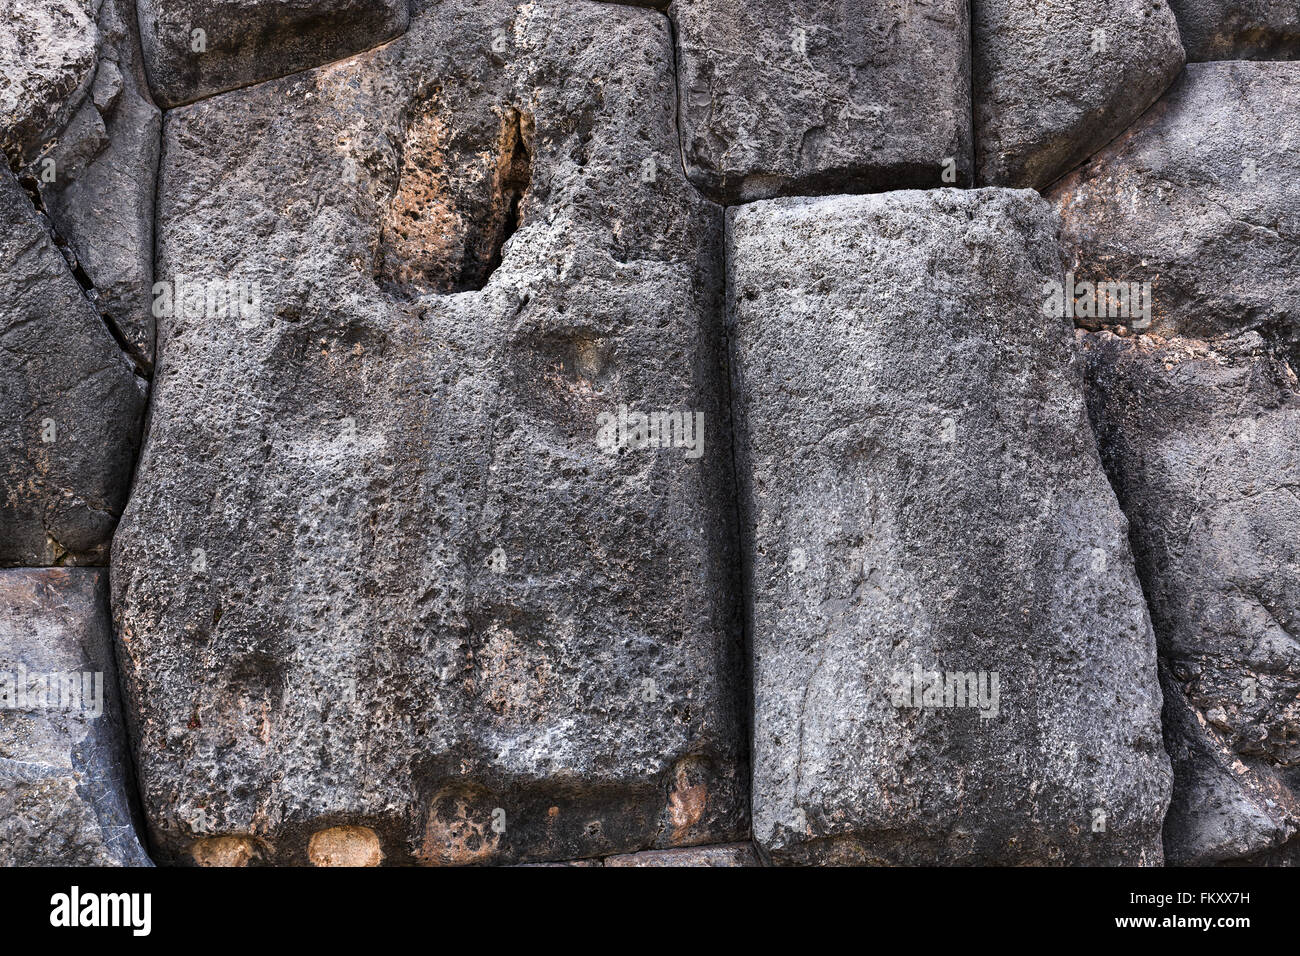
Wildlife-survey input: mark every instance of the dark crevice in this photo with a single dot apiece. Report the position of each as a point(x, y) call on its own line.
point(88, 289)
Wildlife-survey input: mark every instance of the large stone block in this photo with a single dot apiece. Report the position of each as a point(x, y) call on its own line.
point(392, 564)
point(197, 48)
point(1201, 199)
point(64, 772)
point(70, 405)
point(1055, 82)
point(1202, 442)
point(952, 659)
point(779, 97)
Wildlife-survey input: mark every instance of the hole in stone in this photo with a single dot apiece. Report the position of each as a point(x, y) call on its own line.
point(459, 199)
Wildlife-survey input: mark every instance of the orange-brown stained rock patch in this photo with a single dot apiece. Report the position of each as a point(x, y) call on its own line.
point(225, 851)
point(345, 846)
point(460, 830)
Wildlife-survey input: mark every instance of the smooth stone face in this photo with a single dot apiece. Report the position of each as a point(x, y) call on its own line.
point(1239, 29)
point(70, 405)
point(47, 63)
point(1054, 83)
point(1201, 199)
point(64, 775)
point(381, 568)
point(1202, 443)
point(778, 97)
point(99, 187)
point(921, 494)
point(247, 41)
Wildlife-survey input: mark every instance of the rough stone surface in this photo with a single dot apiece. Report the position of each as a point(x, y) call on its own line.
point(1055, 82)
point(47, 63)
point(1239, 29)
point(378, 570)
point(920, 490)
point(98, 188)
point(1202, 442)
point(248, 41)
point(819, 96)
point(64, 775)
point(1200, 197)
point(70, 405)
point(733, 854)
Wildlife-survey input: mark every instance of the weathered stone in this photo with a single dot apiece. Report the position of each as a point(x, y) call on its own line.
point(70, 406)
point(1202, 443)
point(379, 569)
point(64, 775)
point(1201, 199)
point(1055, 82)
point(817, 96)
point(1239, 29)
point(921, 494)
point(99, 186)
point(731, 854)
point(47, 64)
point(197, 48)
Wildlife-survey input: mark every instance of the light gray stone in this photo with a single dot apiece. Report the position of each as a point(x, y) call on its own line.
point(1201, 199)
point(729, 855)
point(47, 64)
point(64, 772)
point(920, 491)
point(1055, 82)
point(1202, 442)
point(378, 571)
point(241, 42)
point(70, 405)
point(781, 97)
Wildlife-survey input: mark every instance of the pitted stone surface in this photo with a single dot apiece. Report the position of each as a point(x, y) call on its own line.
point(781, 97)
point(921, 494)
point(1055, 82)
point(1239, 29)
point(1199, 198)
point(381, 567)
point(1202, 443)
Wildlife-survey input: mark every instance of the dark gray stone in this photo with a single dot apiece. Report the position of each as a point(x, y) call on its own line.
point(70, 405)
point(378, 571)
point(247, 41)
point(920, 490)
point(1054, 83)
point(1239, 29)
point(1202, 442)
point(64, 773)
point(1201, 199)
point(779, 97)
point(99, 192)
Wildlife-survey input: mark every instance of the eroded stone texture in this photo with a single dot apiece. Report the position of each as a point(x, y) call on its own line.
point(1202, 443)
point(64, 775)
point(247, 41)
point(921, 491)
point(732, 854)
point(97, 183)
point(70, 405)
point(820, 96)
point(1200, 197)
point(378, 570)
point(47, 63)
point(1055, 82)
point(1239, 29)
